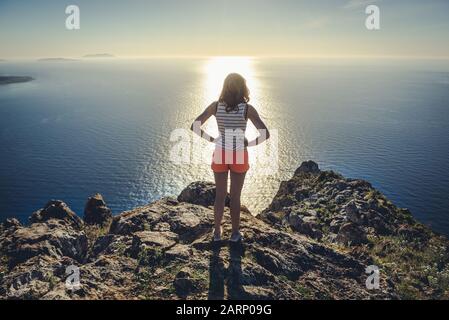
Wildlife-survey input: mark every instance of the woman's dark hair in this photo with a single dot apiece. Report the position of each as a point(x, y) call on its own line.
point(234, 91)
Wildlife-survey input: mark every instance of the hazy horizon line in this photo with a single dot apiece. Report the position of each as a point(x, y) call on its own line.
point(169, 56)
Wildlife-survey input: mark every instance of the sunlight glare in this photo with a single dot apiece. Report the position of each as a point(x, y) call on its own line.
point(217, 68)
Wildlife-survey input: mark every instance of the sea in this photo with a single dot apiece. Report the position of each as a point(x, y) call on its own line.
point(120, 127)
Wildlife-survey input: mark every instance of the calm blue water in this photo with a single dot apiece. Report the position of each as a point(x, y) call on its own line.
point(104, 126)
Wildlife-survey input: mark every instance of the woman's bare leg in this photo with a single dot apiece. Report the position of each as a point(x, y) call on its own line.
point(237, 180)
point(221, 183)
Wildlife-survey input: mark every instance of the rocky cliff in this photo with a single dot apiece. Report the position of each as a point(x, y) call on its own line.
point(313, 242)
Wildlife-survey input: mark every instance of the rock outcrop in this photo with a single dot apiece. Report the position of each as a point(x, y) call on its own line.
point(96, 212)
point(353, 217)
point(313, 242)
point(201, 193)
point(59, 211)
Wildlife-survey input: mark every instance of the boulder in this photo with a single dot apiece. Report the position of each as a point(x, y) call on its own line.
point(353, 213)
point(135, 220)
point(57, 209)
point(96, 212)
point(308, 167)
point(351, 234)
point(184, 284)
point(185, 219)
point(200, 193)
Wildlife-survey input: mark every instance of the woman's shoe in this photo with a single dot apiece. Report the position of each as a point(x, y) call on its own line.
point(217, 237)
point(236, 237)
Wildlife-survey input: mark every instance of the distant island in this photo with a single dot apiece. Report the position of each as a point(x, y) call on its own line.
point(88, 56)
point(99, 55)
point(2, 60)
point(14, 79)
point(56, 59)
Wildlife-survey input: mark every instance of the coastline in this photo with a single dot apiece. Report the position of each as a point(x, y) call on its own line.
point(4, 80)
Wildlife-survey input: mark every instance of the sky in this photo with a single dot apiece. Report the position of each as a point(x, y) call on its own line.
point(138, 28)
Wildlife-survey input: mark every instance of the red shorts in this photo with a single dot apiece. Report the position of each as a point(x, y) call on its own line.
point(225, 160)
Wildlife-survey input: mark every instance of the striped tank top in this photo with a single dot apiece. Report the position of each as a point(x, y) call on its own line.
point(231, 126)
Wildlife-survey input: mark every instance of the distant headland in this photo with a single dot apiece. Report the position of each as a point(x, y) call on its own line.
point(57, 60)
point(99, 55)
point(14, 79)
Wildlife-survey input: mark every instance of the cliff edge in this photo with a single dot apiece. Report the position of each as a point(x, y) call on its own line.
point(314, 241)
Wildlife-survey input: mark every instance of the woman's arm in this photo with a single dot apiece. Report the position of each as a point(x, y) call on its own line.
point(264, 134)
point(202, 118)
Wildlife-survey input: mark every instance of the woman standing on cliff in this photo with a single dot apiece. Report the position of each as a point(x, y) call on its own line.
point(232, 113)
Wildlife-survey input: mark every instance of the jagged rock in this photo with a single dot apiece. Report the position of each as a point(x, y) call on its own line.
point(56, 209)
point(353, 213)
point(108, 277)
point(351, 234)
point(335, 225)
point(379, 223)
point(111, 244)
point(186, 220)
point(162, 226)
point(96, 212)
point(302, 194)
point(145, 240)
point(33, 278)
point(164, 250)
point(11, 223)
point(132, 221)
point(201, 193)
point(116, 269)
point(180, 252)
point(305, 225)
point(339, 199)
point(308, 167)
point(53, 238)
point(414, 233)
point(184, 284)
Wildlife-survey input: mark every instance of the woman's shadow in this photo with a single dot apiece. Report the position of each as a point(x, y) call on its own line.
point(219, 276)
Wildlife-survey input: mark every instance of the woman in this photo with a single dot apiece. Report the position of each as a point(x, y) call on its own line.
point(232, 112)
